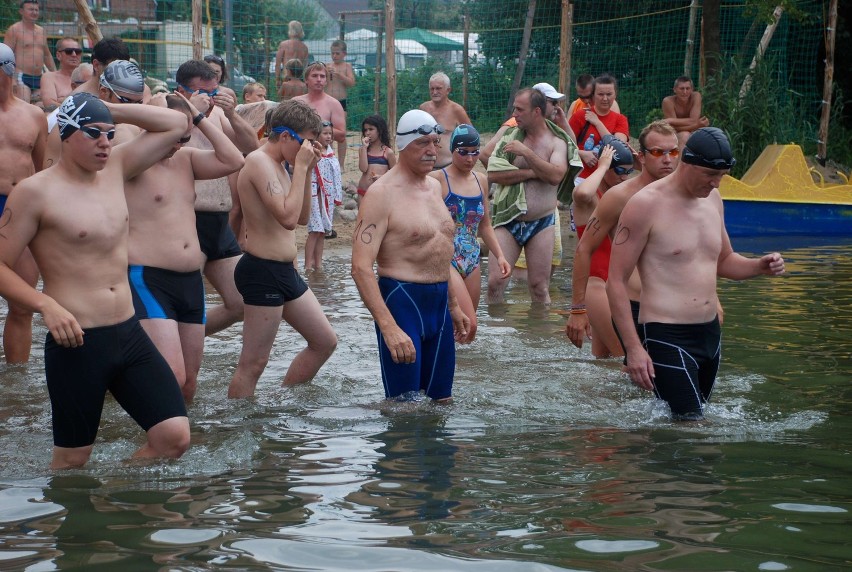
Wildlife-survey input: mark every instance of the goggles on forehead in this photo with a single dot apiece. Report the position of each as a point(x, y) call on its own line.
point(425, 130)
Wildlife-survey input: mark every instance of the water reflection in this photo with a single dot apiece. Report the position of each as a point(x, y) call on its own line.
point(547, 460)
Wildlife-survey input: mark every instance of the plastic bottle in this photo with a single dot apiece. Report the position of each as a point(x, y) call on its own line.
point(589, 144)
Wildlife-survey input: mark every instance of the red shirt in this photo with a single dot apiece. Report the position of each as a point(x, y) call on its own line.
point(614, 122)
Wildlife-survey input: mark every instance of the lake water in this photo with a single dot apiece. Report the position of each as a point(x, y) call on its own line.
point(547, 460)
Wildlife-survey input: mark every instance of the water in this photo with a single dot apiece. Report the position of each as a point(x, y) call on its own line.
point(547, 460)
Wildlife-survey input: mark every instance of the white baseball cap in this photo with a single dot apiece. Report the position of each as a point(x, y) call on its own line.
point(548, 91)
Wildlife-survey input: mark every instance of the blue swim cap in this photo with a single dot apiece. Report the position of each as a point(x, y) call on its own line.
point(464, 136)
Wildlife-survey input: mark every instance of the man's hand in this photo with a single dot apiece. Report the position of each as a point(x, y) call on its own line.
point(588, 157)
point(461, 325)
point(703, 121)
point(578, 329)
point(641, 368)
point(226, 103)
point(309, 154)
point(202, 102)
point(517, 148)
point(772, 264)
point(400, 345)
point(63, 326)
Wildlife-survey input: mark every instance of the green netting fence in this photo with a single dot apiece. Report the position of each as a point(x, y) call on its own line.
point(645, 44)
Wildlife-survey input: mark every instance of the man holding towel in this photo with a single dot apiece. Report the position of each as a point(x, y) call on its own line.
point(528, 166)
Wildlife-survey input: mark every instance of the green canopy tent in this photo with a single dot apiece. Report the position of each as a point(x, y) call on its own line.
point(432, 42)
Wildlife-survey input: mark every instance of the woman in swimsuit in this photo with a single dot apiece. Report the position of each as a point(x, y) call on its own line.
point(462, 189)
point(375, 158)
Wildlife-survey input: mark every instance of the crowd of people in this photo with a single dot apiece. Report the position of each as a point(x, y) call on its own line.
point(191, 185)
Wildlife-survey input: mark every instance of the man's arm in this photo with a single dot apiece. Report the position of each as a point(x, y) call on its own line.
point(235, 127)
point(48, 57)
point(485, 152)
point(585, 193)
point(347, 76)
point(550, 169)
point(19, 224)
point(630, 240)
point(370, 229)
point(49, 95)
point(737, 267)
point(604, 218)
point(686, 123)
point(460, 116)
point(162, 128)
point(222, 160)
point(40, 147)
point(278, 64)
point(338, 121)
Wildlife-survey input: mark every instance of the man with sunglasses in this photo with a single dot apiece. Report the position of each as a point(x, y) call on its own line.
point(673, 232)
point(659, 156)
point(274, 204)
point(23, 141)
point(74, 217)
point(404, 227)
point(29, 42)
point(217, 213)
point(56, 85)
point(168, 292)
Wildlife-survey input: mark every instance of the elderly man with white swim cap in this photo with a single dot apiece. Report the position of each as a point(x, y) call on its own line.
point(23, 136)
point(404, 227)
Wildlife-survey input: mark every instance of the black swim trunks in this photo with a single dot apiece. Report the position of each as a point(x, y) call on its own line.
point(120, 359)
point(215, 236)
point(167, 295)
point(267, 282)
point(686, 359)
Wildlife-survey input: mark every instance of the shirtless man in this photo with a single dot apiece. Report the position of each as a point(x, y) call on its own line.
point(683, 109)
point(446, 112)
point(164, 255)
point(272, 290)
point(673, 231)
point(56, 85)
point(328, 108)
point(94, 343)
point(291, 48)
point(659, 156)
point(538, 159)
point(405, 228)
point(29, 42)
point(104, 53)
point(293, 84)
point(23, 139)
point(214, 199)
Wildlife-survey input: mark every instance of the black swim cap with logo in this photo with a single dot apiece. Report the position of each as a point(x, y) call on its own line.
point(709, 147)
point(81, 109)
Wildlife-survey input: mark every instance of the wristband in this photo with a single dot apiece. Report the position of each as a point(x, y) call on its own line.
point(578, 307)
point(197, 119)
point(575, 312)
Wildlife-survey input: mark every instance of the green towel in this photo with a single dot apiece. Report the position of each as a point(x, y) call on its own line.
point(510, 201)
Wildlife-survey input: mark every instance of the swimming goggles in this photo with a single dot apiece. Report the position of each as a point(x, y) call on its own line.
point(621, 171)
point(95, 133)
point(285, 129)
point(212, 93)
point(693, 158)
point(673, 153)
point(425, 130)
point(465, 152)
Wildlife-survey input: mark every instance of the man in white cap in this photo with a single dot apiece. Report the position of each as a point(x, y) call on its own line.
point(673, 231)
point(23, 138)
point(404, 226)
point(445, 111)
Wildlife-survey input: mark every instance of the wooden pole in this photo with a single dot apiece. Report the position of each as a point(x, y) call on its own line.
point(761, 49)
point(566, 39)
point(690, 39)
point(830, 34)
point(702, 65)
point(197, 39)
point(390, 65)
point(342, 26)
point(89, 22)
point(377, 77)
point(466, 60)
point(522, 57)
point(266, 60)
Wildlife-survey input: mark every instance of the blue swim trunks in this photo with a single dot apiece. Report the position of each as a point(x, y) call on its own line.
point(3, 199)
point(523, 231)
point(31, 81)
point(421, 311)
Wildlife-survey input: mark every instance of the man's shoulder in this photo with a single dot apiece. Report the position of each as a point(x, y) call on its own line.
point(427, 106)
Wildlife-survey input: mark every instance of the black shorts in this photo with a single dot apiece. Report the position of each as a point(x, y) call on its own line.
point(686, 359)
point(215, 236)
point(166, 294)
point(267, 282)
point(120, 359)
point(342, 103)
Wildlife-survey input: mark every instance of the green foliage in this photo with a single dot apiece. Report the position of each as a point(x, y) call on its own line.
point(428, 14)
point(770, 113)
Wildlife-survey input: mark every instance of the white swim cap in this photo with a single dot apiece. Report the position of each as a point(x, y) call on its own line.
point(413, 125)
point(7, 60)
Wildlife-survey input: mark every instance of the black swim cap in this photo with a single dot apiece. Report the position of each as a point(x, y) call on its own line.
point(622, 156)
point(709, 147)
point(80, 109)
point(464, 136)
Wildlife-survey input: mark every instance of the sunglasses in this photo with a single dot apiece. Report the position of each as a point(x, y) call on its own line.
point(184, 140)
point(122, 99)
point(95, 133)
point(621, 171)
point(425, 130)
point(71, 51)
point(212, 93)
point(660, 152)
point(465, 152)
